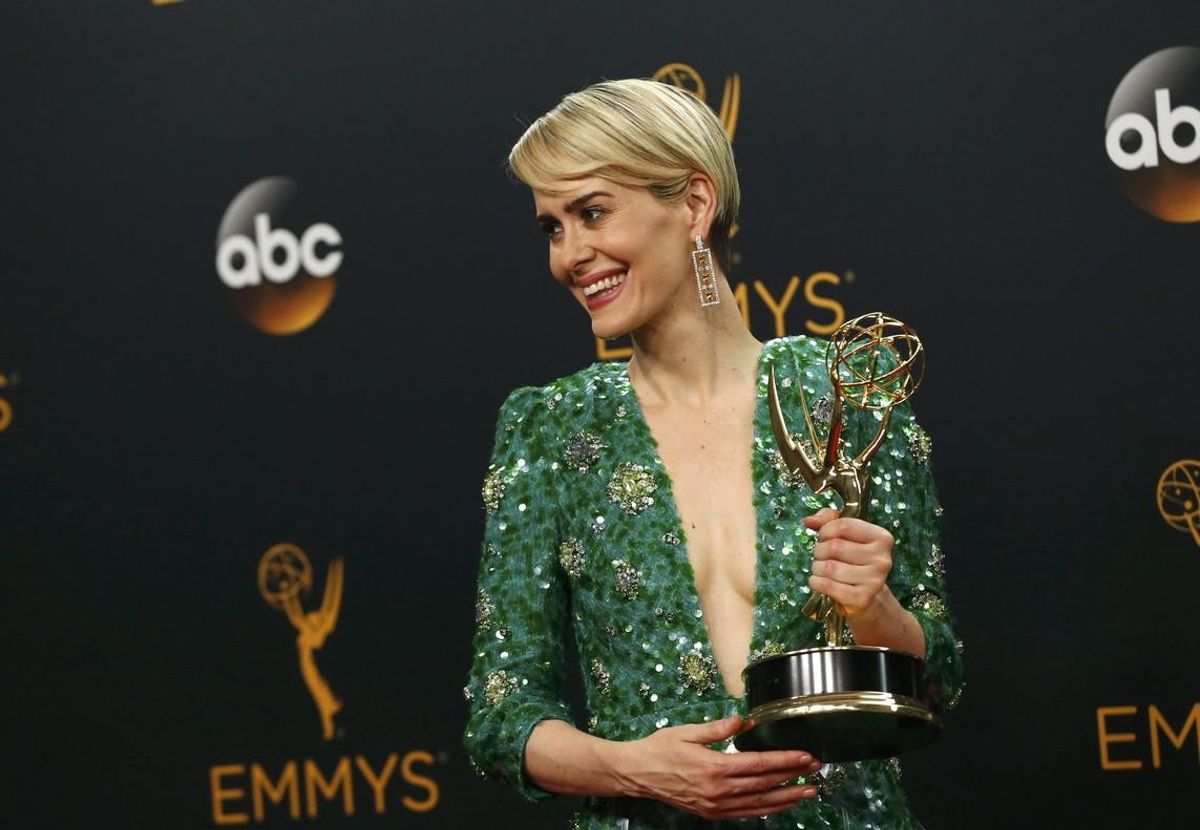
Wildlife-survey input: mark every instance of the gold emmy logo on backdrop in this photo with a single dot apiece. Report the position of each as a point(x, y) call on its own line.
point(687, 78)
point(1179, 497)
point(283, 574)
point(6, 413)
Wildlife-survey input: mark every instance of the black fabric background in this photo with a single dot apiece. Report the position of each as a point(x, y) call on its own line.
point(950, 158)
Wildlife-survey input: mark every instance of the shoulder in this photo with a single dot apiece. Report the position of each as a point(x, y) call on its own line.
point(564, 402)
point(798, 349)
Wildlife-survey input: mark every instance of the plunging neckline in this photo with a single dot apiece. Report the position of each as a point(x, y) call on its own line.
point(669, 503)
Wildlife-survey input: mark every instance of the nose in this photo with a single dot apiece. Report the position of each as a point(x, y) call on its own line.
point(577, 252)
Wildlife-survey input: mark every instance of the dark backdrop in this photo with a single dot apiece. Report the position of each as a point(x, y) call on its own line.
point(946, 165)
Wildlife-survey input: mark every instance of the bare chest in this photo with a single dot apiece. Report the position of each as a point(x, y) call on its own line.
point(707, 456)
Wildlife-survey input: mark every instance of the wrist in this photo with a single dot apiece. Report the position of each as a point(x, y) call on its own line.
point(617, 761)
point(877, 611)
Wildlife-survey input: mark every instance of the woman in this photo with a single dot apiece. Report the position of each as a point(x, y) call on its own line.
point(643, 509)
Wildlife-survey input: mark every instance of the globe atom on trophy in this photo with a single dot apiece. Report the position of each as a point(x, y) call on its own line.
point(843, 702)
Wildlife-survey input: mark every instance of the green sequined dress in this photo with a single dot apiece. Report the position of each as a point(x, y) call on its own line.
point(583, 540)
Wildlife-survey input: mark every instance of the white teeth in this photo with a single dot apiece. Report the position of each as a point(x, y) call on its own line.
point(604, 284)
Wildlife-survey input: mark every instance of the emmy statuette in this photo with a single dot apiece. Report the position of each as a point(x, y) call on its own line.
point(844, 702)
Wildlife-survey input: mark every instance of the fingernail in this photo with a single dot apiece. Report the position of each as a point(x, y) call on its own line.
point(809, 792)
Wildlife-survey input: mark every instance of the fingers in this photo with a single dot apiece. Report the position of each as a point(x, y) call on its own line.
point(710, 733)
point(854, 530)
point(821, 518)
point(773, 800)
point(771, 763)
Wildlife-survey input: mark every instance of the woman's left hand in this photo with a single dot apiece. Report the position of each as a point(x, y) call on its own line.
point(851, 563)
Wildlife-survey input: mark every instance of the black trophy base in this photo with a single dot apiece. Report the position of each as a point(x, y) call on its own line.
point(842, 704)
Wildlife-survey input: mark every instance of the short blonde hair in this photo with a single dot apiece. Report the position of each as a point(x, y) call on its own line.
point(634, 132)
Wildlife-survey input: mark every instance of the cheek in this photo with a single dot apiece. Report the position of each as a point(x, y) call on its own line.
point(557, 268)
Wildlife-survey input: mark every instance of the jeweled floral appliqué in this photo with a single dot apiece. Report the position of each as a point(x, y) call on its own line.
point(570, 556)
point(822, 411)
point(493, 490)
point(631, 486)
point(769, 649)
point(697, 670)
point(626, 579)
point(937, 561)
point(602, 677)
point(581, 451)
point(483, 609)
point(929, 604)
point(498, 686)
point(920, 445)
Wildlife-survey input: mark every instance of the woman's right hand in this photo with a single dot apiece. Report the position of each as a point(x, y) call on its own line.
point(676, 766)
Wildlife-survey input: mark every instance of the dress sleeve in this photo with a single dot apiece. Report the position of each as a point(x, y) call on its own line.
point(521, 610)
point(903, 500)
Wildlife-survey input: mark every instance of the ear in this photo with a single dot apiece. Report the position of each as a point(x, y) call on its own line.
point(700, 199)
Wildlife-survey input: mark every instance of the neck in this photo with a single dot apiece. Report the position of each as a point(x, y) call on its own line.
point(693, 355)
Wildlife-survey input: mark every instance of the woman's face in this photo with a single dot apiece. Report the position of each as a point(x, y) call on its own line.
point(622, 252)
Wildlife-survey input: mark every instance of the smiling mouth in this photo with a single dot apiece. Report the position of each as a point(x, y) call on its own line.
point(600, 287)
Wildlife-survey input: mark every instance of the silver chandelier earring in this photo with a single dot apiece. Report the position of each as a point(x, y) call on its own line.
point(706, 274)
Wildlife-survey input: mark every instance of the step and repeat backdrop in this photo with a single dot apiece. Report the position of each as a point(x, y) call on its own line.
point(265, 282)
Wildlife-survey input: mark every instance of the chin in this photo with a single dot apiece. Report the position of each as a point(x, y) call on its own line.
point(609, 330)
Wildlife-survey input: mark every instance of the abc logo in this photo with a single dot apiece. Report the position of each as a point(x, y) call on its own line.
point(240, 260)
point(1152, 134)
point(279, 264)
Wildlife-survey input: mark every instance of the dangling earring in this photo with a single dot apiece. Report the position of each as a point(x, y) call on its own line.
point(706, 274)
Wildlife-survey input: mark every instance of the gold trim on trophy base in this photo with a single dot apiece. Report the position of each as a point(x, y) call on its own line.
point(842, 726)
point(873, 702)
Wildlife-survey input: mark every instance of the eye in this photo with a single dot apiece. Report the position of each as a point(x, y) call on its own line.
point(550, 229)
point(591, 213)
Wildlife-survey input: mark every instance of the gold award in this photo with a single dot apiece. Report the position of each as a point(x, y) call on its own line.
point(843, 702)
point(283, 573)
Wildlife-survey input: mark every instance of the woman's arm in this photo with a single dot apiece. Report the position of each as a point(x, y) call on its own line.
point(521, 611)
point(673, 765)
point(889, 576)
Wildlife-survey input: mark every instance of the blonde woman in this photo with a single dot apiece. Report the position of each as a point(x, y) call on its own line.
point(641, 510)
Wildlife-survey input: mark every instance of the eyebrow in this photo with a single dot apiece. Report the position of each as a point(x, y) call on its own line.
point(573, 205)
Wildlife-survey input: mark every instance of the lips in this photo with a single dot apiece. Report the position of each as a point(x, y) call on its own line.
point(602, 288)
point(603, 284)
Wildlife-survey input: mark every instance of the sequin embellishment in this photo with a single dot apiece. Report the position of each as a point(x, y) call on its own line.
point(697, 671)
point(631, 487)
point(822, 410)
point(492, 490)
point(829, 781)
point(937, 561)
point(498, 686)
point(570, 556)
point(626, 580)
point(920, 445)
point(602, 677)
point(929, 604)
point(769, 649)
point(483, 609)
point(582, 451)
